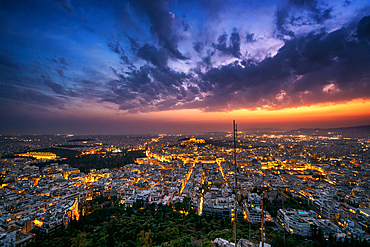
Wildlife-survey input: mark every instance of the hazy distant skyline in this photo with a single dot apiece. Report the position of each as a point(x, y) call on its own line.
point(122, 67)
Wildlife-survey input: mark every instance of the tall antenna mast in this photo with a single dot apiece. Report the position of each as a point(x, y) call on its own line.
point(262, 215)
point(235, 187)
point(283, 198)
point(262, 223)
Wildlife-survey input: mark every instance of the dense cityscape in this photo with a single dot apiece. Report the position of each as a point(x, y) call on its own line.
point(328, 175)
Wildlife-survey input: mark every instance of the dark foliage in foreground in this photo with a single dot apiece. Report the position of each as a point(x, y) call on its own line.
point(100, 161)
point(109, 224)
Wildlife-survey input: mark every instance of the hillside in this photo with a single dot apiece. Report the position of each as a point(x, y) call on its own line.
point(106, 223)
point(351, 132)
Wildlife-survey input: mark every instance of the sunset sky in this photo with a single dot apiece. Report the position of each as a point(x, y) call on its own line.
point(132, 67)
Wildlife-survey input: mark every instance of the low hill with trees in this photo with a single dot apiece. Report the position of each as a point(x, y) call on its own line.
point(107, 223)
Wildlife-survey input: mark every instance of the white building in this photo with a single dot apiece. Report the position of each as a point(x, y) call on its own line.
point(296, 221)
point(219, 242)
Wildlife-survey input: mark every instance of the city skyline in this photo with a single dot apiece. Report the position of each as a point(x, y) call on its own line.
point(146, 67)
point(287, 184)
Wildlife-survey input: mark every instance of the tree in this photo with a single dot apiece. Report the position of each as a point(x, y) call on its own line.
point(144, 239)
point(81, 240)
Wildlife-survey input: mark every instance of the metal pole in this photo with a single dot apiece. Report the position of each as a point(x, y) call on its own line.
point(262, 225)
point(284, 223)
point(250, 230)
point(235, 186)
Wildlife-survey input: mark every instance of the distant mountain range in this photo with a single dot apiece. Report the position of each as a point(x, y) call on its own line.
point(352, 132)
point(262, 130)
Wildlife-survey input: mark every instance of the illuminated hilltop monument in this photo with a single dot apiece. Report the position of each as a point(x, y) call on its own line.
point(192, 140)
point(39, 155)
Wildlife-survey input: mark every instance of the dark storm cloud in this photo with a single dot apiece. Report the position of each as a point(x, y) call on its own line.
point(147, 79)
point(198, 46)
point(281, 15)
point(363, 29)
point(162, 21)
point(346, 3)
point(233, 48)
point(287, 15)
point(318, 14)
point(62, 60)
point(116, 48)
point(307, 4)
point(185, 25)
point(307, 70)
point(208, 59)
point(57, 88)
point(168, 77)
point(155, 41)
point(194, 90)
point(313, 69)
point(151, 54)
point(235, 43)
point(92, 85)
point(221, 45)
point(250, 38)
point(148, 89)
point(60, 72)
point(134, 44)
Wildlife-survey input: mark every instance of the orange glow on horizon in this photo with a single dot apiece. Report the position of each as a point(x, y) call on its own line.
point(348, 109)
point(330, 115)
